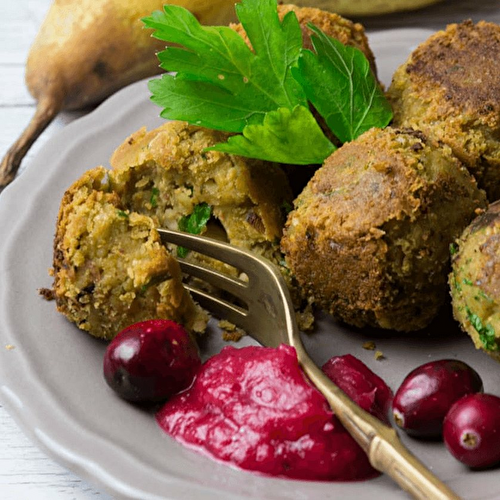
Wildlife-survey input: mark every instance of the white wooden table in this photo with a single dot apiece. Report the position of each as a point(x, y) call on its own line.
point(26, 472)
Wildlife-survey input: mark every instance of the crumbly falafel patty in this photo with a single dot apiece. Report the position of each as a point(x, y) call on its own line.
point(248, 198)
point(110, 269)
point(165, 173)
point(369, 236)
point(475, 281)
point(450, 89)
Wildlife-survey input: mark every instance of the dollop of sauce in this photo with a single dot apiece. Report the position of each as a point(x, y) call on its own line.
point(254, 408)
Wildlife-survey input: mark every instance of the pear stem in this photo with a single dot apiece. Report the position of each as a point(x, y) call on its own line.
point(47, 108)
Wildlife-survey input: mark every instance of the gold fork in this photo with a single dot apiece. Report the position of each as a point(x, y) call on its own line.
point(269, 318)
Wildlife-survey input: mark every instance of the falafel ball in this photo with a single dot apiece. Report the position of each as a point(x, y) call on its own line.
point(369, 236)
point(450, 89)
point(475, 281)
point(166, 174)
point(110, 269)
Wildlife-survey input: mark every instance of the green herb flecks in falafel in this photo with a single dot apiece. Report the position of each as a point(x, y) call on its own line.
point(194, 223)
point(476, 266)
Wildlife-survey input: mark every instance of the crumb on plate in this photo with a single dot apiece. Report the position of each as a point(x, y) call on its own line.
point(369, 345)
point(230, 332)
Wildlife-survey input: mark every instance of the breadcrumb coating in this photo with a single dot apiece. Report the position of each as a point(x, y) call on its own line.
point(450, 89)
point(369, 236)
point(110, 269)
point(475, 281)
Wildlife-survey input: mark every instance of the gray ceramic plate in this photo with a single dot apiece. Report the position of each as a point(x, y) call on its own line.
point(51, 381)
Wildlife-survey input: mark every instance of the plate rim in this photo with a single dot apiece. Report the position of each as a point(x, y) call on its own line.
point(97, 120)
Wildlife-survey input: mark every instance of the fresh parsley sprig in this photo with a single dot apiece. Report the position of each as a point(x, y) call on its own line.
point(280, 137)
point(264, 91)
point(338, 81)
point(486, 332)
point(220, 82)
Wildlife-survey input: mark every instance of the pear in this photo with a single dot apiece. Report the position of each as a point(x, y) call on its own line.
point(86, 50)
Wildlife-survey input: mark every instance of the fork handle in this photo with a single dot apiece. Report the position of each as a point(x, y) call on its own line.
point(380, 442)
point(393, 458)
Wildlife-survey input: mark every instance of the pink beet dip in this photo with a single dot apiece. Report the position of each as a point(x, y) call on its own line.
point(254, 409)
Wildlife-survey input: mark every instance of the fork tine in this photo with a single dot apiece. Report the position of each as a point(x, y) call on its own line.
point(269, 317)
point(213, 248)
point(219, 307)
point(270, 320)
point(220, 280)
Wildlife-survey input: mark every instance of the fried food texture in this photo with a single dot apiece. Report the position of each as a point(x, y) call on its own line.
point(450, 89)
point(110, 268)
point(475, 281)
point(165, 173)
point(369, 236)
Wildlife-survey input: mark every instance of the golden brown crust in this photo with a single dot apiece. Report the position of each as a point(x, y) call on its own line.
point(110, 269)
point(158, 177)
point(450, 88)
point(450, 58)
point(246, 195)
point(369, 235)
point(475, 281)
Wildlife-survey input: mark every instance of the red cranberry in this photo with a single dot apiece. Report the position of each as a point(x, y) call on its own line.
point(427, 393)
point(471, 430)
point(362, 385)
point(150, 361)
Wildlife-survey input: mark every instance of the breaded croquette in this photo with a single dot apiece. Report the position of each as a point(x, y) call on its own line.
point(110, 269)
point(475, 281)
point(369, 236)
point(450, 89)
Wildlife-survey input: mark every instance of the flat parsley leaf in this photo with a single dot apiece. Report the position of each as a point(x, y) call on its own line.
point(282, 136)
point(263, 92)
point(220, 82)
point(154, 197)
point(194, 223)
point(339, 83)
